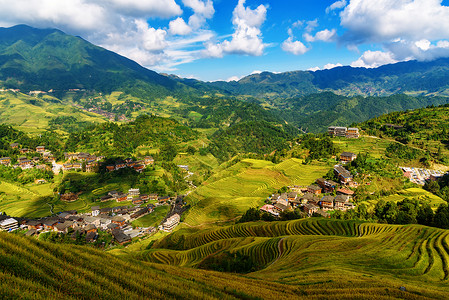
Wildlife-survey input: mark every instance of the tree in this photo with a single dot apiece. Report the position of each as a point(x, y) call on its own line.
point(425, 215)
point(441, 219)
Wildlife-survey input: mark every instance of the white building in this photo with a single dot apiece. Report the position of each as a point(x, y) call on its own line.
point(170, 223)
point(9, 224)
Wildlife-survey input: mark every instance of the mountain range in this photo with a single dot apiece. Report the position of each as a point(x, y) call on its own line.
point(48, 59)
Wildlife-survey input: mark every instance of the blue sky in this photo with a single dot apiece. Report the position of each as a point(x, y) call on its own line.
point(224, 40)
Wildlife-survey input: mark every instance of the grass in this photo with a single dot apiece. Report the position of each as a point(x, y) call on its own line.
point(232, 190)
point(411, 193)
point(316, 254)
point(153, 219)
point(313, 259)
point(374, 146)
point(20, 201)
point(31, 114)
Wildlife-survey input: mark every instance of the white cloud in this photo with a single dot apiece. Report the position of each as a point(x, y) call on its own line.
point(233, 78)
point(423, 44)
point(247, 38)
point(331, 66)
point(179, 27)
point(374, 59)
point(203, 10)
point(323, 35)
point(140, 8)
point(336, 5)
point(314, 69)
point(311, 25)
point(294, 47)
point(405, 29)
point(297, 24)
point(255, 72)
point(122, 26)
point(385, 20)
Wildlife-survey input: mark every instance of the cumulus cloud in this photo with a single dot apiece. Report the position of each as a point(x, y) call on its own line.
point(336, 5)
point(294, 47)
point(314, 69)
point(331, 66)
point(323, 35)
point(405, 30)
point(381, 20)
point(179, 27)
point(247, 37)
point(203, 10)
point(374, 59)
point(122, 26)
point(311, 25)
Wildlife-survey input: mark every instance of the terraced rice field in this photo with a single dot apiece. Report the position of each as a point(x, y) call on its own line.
point(230, 192)
point(17, 200)
point(411, 193)
point(320, 252)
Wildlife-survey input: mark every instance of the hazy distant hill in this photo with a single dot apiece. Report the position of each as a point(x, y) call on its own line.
point(406, 77)
point(46, 59)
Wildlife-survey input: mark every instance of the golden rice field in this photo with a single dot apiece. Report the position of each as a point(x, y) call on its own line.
point(321, 257)
point(313, 259)
point(231, 191)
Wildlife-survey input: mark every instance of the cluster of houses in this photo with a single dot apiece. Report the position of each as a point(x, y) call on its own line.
point(134, 196)
point(316, 198)
point(350, 133)
point(112, 220)
point(311, 200)
point(74, 161)
point(24, 162)
point(129, 163)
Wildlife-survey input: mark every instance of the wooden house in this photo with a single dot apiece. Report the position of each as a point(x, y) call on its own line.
point(340, 201)
point(137, 201)
point(149, 160)
point(121, 197)
point(40, 149)
point(138, 168)
point(344, 191)
point(152, 197)
point(343, 174)
point(110, 168)
point(270, 209)
point(347, 156)
point(120, 237)
point(5, 161)
point(327, 185)
point(34, 224)
point(327, 203)
point(163, 199)
point(90, 228)
point(310, 208)
point(120, 221)
point(352, 133)
point(314, 189)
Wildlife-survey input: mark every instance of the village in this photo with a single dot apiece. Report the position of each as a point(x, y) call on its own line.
point(113, 221)
point(81, 161)
point(318, 198)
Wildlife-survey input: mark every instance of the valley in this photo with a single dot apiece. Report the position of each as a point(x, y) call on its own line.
point(120, 182)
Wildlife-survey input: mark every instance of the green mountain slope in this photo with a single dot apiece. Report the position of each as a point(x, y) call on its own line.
point(308, 259)
point(45, 59)
point(406, 77)
point(316, 252)
point(316, 112)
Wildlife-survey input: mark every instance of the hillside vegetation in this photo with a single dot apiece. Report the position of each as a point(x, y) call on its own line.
point(325, 263)
point(424, 128)
point(233, 189)
point(319, 252)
